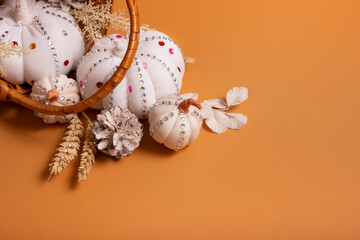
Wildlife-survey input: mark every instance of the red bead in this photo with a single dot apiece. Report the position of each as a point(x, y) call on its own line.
point(32, 82)
point(15, 43)
point(99, 84)
point(81, 84)
point(118, 36)
point(66, 62)
point(130, 89)
point(161, 43)
point(179, 69)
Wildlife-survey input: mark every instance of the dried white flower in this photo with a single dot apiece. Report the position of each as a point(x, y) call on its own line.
point(66, 5)
point(117, 132)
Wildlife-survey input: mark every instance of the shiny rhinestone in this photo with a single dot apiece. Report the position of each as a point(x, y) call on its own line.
point(171, 114)
point(55, 87)
point(182, 119)
point(139, 76)
point(62, 98)
point(68, 101)
point(182, 133)
point(181, 112)
point(181, 139)
point(141, 82)
point(43, 90)
point(166, 118)
point(182, 126)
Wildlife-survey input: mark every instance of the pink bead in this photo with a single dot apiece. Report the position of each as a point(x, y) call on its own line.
point(118, 36)
point(130, 89)
point(145, 66)
point(81, 84)
point(171, 51)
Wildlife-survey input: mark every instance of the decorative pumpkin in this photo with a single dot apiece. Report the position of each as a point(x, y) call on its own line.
point(175, 121)
point(156, 72)
point(52, 37)
point(47, 91)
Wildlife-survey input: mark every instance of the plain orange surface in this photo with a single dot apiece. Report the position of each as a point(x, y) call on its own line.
point(293, 172)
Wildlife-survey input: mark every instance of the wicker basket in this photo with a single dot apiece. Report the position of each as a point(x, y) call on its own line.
point(15, 94)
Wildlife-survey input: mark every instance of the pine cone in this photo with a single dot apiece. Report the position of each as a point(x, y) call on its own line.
point(117, 132)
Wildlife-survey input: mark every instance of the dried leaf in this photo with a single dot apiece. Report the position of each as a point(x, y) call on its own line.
point(236, 120)
point(218, 122)
point(236, 96)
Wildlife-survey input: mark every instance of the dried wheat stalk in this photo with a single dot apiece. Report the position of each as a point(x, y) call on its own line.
point(88, 152)
point(68, 149)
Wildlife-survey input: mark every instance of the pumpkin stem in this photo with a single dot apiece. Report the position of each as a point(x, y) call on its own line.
point(184, 105)
point(52, 95)
point(21, 12)
point(120, 49)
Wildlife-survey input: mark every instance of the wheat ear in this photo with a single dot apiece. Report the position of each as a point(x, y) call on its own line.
point(68, 148)
point(88, 152)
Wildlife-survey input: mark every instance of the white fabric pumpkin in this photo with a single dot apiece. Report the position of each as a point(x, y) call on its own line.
point(156, 72)
point(175, 128)
point(52, 37)
point(47, 91)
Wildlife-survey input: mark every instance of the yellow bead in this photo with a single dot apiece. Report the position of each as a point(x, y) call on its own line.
point(32, 46)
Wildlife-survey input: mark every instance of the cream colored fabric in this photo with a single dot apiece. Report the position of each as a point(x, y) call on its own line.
point(52, 37)
point(156, 72)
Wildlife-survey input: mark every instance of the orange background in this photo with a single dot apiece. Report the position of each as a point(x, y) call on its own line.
point(293, 172)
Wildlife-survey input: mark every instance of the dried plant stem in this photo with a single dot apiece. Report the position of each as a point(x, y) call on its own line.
point(189, 60)
point(88, 152)
point(97, 17)
point(68, 149)
point(8, 49)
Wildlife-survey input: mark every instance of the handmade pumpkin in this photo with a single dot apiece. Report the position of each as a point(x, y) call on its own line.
point(52, 37)
point(64, 93)
point(175, 121)
point(156, 72)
